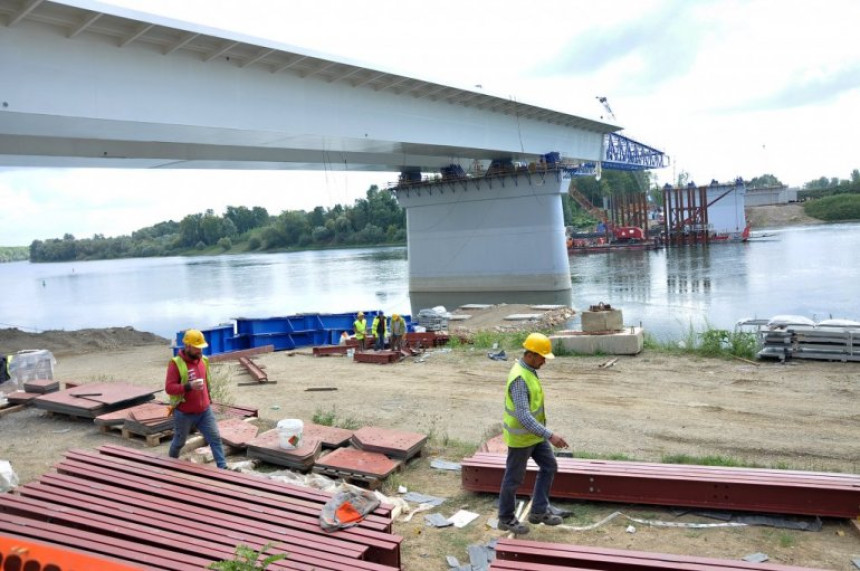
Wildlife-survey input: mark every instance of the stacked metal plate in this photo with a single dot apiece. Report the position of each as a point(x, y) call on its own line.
point(94, 399)
point(392, 443)
point(330, 436)
point(42, 386)
point(236, 432)
point(825, 341)
point(361, 465)
point(267, 447)
point(432, 320)
point(150, 418)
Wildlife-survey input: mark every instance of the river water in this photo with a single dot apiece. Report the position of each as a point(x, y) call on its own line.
point(810, 271)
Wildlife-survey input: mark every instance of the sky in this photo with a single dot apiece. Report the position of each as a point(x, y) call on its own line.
point(726, 88)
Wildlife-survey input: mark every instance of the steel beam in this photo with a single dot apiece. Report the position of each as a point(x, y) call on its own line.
point(742, 489)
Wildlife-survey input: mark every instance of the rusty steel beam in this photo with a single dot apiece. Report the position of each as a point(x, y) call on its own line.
point(322, 350)
point(259, 375)
point(742, 489)
point(378, 357)
point(221, 357)
point(542, 556)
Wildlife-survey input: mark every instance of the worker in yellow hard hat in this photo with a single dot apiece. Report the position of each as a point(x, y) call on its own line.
point(527, 436)
point(397, 328)
point(378, 328)
point(359, 327)
point(187, 385)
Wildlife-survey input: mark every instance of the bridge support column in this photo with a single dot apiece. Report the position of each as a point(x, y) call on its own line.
point(491, 239)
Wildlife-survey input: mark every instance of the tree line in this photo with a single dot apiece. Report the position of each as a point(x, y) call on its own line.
point(374, 220)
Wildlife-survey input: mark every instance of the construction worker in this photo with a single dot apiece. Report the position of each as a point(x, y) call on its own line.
point(526, 435)
point(359, 327)
point(187, 384)
point(397, 328)
point(378, 330)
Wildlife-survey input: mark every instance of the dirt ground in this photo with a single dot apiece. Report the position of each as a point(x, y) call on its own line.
point(802, 415)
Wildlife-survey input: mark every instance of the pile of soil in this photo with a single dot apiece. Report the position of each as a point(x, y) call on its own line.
point(778, 215)
point(77, 342)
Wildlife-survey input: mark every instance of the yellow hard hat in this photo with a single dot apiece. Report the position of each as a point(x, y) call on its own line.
point(540, 344)
point(195, 338)
point(360, 314)
point(395, 316)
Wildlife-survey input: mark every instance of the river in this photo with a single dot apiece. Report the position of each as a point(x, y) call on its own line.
point(809, 271)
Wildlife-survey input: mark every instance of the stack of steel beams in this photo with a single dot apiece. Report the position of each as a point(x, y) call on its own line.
point(519, 555)
point(800, 338)
point(713, 487)
point(160, 513)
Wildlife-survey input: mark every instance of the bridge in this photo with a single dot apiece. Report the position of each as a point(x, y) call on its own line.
point(87, 84)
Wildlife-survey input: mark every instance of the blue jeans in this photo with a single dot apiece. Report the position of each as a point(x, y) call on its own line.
point(379, 343)
point(515, 474)
point(207, 425)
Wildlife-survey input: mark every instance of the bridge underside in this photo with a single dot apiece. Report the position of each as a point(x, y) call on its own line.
point(91, 85)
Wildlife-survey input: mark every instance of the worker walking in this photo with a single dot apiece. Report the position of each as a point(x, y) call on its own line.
point(526, 435)
point(187, 384)
point(397, 328)
point(359, 327)
point(378, 330)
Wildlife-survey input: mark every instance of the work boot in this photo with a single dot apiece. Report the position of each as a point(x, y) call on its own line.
point(514, 526)
point(545, 518)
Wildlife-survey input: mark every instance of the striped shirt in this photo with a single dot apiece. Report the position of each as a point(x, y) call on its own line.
point(522, 410)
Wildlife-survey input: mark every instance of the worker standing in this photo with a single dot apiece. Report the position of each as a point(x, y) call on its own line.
point(378, 330)
point(397, 328)
point(187, 384)
point(526, 435)
point(359, 327)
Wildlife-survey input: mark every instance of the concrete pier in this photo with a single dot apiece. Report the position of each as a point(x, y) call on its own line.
point(487, 235)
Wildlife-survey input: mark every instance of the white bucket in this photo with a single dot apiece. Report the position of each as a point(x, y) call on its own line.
point(290, 433)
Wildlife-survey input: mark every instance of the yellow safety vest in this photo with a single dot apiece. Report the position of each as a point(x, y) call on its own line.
point(516, 436)
point(176, 400)
point(360, 328)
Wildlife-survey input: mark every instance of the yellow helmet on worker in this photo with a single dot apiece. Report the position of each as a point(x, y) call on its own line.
point(195, 338)
point(395, 316)
point(540, 344)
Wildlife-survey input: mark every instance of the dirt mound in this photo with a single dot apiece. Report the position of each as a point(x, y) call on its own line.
point(77, 342)
point(778, 216)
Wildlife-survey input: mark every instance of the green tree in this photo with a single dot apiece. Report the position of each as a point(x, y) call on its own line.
point(764, 181)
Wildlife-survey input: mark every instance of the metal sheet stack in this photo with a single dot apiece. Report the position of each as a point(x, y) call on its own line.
point(42, 386)
point(267, 447)
point(432, 320)
point(832, 340)
point(94, 399)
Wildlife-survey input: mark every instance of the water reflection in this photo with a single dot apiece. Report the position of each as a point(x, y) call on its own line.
point(688, 270)
point(451, 300)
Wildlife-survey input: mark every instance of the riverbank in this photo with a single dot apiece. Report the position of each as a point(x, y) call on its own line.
point(799, 415)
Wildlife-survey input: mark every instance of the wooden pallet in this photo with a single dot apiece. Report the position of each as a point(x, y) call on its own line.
point(8, 409)
point(362, 480)
point(153, 439)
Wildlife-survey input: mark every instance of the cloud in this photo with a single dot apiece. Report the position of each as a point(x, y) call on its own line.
point(642, 51)
point(814, 87)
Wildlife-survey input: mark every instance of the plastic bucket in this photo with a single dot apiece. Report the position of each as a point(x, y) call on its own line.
point(290, 433)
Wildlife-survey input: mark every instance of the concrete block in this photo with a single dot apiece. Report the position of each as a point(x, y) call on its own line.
point(608, 320)
point(627, 342)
